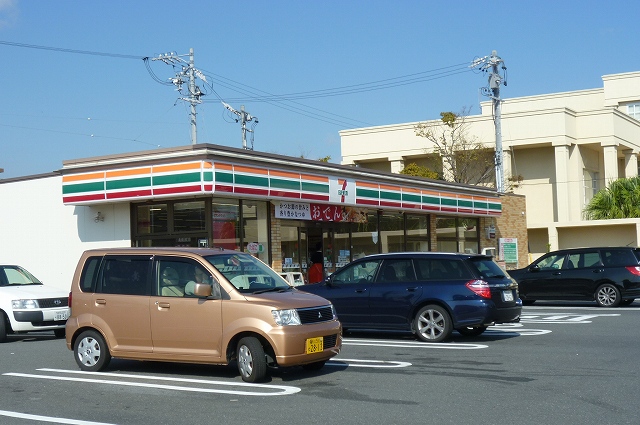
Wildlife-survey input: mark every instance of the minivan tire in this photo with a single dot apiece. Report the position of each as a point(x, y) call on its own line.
point(608, 295)
point(432, 324)
point(91, 351)
point(252, 362)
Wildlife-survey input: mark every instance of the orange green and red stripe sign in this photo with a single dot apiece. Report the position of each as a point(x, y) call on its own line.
point(241, 180)
point(138, 183)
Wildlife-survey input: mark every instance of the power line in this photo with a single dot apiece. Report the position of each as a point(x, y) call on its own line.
point(60, 49)
point(357, 88)
point(257, 95)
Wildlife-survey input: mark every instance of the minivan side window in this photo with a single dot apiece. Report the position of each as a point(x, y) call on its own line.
point(127, 275)
point(89, 276)
point(177, 278)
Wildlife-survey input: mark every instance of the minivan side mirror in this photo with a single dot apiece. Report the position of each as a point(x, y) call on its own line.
point(202, 290)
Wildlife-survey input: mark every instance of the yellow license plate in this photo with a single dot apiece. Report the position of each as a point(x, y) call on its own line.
point(314, 345)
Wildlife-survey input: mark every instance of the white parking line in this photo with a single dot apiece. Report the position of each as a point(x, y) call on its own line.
point(517, 329)
point(52, 419)
point(561, 318)
point(412, 344)
point(269, 389)
point(366, 363)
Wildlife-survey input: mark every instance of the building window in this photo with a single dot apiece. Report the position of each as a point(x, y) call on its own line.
point(457, 234)
point(171, 223)
point(633, 110)
point(590, 180)
point(226, 223)
point(417, 227)
point(392, 232)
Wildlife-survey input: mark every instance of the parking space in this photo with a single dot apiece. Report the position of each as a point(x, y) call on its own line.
point(380, 377)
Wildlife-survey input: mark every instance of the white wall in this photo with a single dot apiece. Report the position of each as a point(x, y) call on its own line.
point(46, 237)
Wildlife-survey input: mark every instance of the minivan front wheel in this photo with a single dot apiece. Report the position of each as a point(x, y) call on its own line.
point(608, 295)
point(432, 324)
point(91, 351)
point(252, 362)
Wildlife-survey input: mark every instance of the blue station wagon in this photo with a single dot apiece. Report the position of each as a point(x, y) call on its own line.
point(427, 293)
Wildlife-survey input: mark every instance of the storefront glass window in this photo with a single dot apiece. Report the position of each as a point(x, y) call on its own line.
point(189, 216)
point(468, 230)
point(226, 215)
point(152, 219)
point(341, 245)
point(417, 233)
point(392, 232)
point(457, 234)
point(256, 229)
point(291, 261)
point(364, 238)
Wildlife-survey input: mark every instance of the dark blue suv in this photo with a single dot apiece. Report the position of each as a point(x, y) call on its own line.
point(427, 293)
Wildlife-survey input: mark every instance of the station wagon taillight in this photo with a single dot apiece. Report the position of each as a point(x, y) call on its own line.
point(479, 287)
point(634, 269)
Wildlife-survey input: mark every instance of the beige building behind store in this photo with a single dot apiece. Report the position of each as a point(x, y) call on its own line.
point(565, 146)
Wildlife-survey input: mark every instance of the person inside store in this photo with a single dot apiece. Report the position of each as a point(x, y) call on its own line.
point(316, 271)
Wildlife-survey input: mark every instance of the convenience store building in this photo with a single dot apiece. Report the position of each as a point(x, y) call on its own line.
point(276, 207)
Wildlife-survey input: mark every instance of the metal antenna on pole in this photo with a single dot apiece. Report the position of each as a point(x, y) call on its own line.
point(244, 117)
point(187, 74)
point(490, 65)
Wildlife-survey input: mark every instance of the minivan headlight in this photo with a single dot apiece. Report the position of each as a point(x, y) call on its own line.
point(24, 304)
point(286, 317)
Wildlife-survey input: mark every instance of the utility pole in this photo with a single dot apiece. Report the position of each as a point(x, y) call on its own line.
point(244, 117)
point(490, 65)
point(187, 74)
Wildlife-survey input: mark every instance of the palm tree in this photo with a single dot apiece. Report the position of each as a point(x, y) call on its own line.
point(620, 200)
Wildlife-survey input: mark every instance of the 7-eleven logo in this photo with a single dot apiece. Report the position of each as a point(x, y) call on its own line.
point(343, 192)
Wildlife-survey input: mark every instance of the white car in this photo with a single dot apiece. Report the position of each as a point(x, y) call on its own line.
point(26, 305)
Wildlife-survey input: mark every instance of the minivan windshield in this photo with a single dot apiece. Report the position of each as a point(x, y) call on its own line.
point(247, 273)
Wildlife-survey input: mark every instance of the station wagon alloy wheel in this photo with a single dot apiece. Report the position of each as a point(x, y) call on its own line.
point(608, 296)
point(432, 324)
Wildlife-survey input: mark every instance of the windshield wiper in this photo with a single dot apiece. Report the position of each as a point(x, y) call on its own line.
point(276, 289)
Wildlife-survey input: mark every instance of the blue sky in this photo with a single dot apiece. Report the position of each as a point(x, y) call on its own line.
point(75, 85)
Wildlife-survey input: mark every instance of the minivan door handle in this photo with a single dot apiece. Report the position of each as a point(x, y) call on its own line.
point(598, 270)
point(557, 273)
point(412, 288)
point(101, 301)
point(163, 304)
point(360, 291)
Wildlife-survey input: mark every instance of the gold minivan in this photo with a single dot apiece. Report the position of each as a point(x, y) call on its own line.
point(195, 305)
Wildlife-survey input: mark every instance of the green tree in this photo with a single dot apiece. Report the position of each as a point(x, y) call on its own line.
point(621, 199)
point(464, 158)
point(414, 169)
